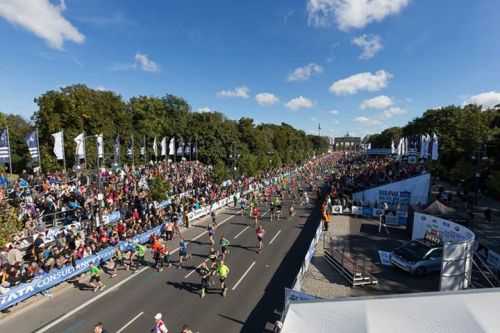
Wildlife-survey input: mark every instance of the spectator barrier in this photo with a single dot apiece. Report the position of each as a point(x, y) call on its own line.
point(297, 285)
point(48, 280)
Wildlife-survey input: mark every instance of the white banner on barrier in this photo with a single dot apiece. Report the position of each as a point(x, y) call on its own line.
point(448, 231)
point(337, 209)
point(357, 210)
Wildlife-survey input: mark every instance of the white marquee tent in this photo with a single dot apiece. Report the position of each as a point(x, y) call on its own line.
point(470, 311)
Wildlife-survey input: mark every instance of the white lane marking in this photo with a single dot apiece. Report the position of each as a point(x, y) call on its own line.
point(275, 236)
point(204, 233)
point(239, 234)
point(194, 270)
point(129, 323)
point(243, 276)
point(90, 301)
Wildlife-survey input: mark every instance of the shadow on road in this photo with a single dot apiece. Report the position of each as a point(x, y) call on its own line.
point(269, 308)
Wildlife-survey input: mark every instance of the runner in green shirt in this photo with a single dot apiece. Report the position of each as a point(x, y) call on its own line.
point(95, 277)
point(140, 251)
point(223, 272)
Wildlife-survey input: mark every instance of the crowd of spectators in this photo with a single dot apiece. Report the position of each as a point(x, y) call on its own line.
point(76, 209)
point(354, 173)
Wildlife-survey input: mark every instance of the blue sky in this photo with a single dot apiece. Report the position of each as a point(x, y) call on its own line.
point(355, 66)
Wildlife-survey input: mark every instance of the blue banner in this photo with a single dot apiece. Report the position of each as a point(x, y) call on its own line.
point(56, 276)
point(49, 280)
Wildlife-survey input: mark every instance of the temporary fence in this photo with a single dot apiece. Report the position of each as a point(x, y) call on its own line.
point(297, 285)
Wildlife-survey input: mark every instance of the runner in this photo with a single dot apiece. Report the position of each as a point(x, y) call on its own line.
point(157, 249)
point(95, 278)
point(291, 210)
point(204, 272)
point(166, 255)
point(260, 234)
point(159, 326)
point(306, 199)
point(224, 244)
point(211, 233)
point(256, 215)
point(214, 220)
point(222, 272)
point(140, 252)
point(183, 252)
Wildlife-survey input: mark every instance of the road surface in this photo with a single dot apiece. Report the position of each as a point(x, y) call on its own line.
point(255, 297)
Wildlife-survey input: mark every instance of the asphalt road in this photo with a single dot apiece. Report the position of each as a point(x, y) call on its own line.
point(255, 297)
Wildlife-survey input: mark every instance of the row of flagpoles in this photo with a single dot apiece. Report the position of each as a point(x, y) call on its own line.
point(166, 147)
point(429, 146)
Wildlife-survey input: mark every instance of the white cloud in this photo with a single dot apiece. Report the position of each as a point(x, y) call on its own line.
point(266, 99)
point(43, 19)
point(361, 81)
point(349, 14)
point(143, 62)
point(379, 103)
point(369, 44)
point(299, 103)
point(334, 112)
point(394, 111)
point(241, 92)
point(305, 72)
point(486, 99)
point(205, 109)
point(101, 88)
point(367, 121)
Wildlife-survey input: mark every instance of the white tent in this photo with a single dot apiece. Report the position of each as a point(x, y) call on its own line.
point(458, 312)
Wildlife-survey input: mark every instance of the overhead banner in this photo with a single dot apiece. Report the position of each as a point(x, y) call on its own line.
point(418, 188)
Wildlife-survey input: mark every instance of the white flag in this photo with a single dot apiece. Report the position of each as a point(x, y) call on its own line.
point(80, 146)
point(435, 147)
point(393, 147)
point(100, 146)
point(164, 146)
point(155, 148)
point(400, 147)
point(58, 145)
point(422, 146)
point(171, 147)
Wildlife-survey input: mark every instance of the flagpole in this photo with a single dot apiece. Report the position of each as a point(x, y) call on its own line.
point(64, 153)
point(145, 150)
point(84, 152)
point(133, 157)
point(98, 136)
point(39, 152)
point(10, 153)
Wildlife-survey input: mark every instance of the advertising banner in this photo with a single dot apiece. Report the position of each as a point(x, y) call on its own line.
point(357, 210)
point(447, 230)
point(337, 209)
point(56, 276)
point(418, 188)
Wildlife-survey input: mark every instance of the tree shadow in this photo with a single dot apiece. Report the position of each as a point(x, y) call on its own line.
point(268, 309)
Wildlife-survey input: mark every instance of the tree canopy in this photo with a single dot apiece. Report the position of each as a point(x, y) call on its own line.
point(222, 142)
point(466, 133)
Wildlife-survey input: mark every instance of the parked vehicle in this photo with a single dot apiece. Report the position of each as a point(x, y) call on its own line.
point(418, 257)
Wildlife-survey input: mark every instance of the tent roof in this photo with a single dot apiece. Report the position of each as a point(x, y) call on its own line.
point(458, 312)
point(439, 208)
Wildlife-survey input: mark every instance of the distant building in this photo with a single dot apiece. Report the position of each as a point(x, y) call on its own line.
point(347, 142)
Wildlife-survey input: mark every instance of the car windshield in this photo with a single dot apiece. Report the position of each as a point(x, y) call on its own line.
point(415, 250)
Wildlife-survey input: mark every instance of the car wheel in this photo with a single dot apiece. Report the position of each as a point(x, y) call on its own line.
point(420, 271)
